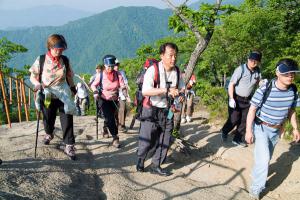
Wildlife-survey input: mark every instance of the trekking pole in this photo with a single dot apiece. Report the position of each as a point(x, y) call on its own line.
point(38, 122)
point(37, 133)
point(97, 122)
point(168, 84)
point(133, 121)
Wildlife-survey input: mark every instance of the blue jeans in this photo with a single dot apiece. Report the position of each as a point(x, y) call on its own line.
point(265, 140)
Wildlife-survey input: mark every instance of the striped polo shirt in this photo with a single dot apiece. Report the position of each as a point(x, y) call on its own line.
point(276, 107)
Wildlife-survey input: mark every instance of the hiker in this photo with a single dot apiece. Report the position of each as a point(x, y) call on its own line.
point(109, 82)
point(188, 106)
point(271, 105)
point(123, 97)
point(241, 87)
point(98, 70)
point(81, 99)
point(162, 83)
point(55, 80)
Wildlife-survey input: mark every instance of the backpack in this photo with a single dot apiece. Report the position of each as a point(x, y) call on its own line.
point(144, 101)
point(268, 91)
point(42, 61)
point(238, 81)
point(100, 86)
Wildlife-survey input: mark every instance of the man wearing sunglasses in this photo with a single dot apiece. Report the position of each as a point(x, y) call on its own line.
point(265, 119)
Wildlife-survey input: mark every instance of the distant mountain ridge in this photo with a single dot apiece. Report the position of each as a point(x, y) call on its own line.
point(118, 31)
point(54, 15)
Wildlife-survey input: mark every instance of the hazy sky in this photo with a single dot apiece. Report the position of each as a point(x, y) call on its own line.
point(87, 5)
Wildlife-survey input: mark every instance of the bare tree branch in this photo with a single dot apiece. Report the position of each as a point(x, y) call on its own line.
point(202, 41)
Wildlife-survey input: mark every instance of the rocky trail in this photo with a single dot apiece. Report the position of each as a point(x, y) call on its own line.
point(210, 171)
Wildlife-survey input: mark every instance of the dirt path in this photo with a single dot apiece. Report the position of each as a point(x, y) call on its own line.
point(212, 171)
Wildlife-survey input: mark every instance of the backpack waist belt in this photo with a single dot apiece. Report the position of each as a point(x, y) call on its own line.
point(275, 126)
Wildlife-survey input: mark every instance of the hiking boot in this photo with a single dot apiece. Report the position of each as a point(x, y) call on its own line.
point(116, 142)
point(47, 139)
point(105, 133)
point(70, 151)
point(122, 129)
point(239, 143)
point(188, 119)
point(223, 137)
point(140, 165)
point(183, 120)
point(159, 171)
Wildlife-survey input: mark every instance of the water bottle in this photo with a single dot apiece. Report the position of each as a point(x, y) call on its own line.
point(47, 100)
point(177, 104)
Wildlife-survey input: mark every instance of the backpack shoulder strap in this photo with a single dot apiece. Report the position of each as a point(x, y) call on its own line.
point(266, 94)
point(66, 62)
point(41, 62)
point(294, 88)
point(101, 78)
point(156, 75)
point(243, 70)
point(178, 76)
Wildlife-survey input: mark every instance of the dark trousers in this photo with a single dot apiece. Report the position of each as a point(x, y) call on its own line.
point(66, 121)
point(155, 135)
point(237, 117)
point(109, 109)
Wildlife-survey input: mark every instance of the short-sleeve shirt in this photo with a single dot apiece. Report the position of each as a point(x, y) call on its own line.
point(161, 101)
point(52, 74)
point(248, 80)
point(110, 89)
point(276, 107)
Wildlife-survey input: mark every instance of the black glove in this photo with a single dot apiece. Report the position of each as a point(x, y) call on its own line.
point(73, 89)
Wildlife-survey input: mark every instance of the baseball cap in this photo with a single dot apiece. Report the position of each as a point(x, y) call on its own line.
point(284, 69)
point(255, 56)
point(109, 60)
point(60, 45)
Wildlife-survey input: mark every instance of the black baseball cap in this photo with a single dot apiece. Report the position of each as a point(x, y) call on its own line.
point(255, 56)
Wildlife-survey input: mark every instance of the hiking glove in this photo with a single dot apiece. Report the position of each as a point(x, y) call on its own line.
point(96, 96)
point(232, 103)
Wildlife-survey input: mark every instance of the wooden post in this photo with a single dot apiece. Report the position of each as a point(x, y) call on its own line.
point(10, 90)
point(18, 100)
point(24, 100)
point(4, 99)
point(20, 88)
point(29, 98)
